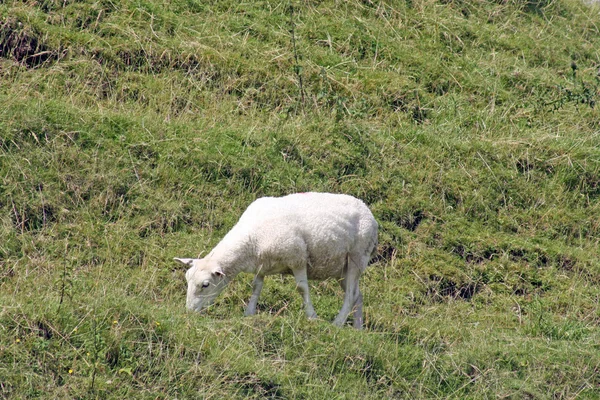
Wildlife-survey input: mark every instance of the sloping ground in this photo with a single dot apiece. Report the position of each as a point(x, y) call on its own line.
point(133, 132)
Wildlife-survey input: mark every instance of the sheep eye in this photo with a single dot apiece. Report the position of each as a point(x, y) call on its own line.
point(205, 284)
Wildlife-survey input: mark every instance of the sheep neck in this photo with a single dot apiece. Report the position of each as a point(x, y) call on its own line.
point(234, 254)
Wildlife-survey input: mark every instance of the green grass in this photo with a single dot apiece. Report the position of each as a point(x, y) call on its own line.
point(133, 132)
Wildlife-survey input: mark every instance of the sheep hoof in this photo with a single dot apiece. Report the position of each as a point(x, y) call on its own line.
point(338, 323)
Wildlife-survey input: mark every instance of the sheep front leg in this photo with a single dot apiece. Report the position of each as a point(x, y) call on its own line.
point(257, 285)
point(302, 286)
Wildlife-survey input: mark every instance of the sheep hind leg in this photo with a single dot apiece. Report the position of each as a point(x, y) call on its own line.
point(302, 285)
point(357, 319)
point(257, 285)
point(351, 294)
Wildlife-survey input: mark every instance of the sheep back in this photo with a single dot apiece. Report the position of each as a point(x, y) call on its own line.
point(319, 230)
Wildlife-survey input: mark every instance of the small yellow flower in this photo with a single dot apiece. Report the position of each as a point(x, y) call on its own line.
point(157, 323)
point(18, 340)
point(115, 322)
point(88, 353)
point(70, 371)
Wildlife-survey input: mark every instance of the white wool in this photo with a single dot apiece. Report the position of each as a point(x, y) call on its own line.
point(315, 229)
point(316, 235)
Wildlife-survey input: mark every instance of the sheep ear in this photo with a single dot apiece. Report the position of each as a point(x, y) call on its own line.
point(218, 272)
point(186, 261)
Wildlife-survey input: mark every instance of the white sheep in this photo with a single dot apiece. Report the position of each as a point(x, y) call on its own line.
point(310, 235)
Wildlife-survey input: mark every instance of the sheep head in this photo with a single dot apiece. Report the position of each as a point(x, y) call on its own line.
point(205, 281)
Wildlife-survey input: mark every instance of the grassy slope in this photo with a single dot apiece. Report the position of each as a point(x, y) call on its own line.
point(132, 132)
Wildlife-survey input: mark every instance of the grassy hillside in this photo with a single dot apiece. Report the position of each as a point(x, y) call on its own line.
point(135, 131)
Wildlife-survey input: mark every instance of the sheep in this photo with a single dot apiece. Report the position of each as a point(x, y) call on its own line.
point(309, 235)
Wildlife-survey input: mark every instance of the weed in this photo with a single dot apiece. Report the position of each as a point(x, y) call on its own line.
point(579, 92)
point(297, 66)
